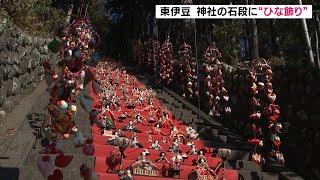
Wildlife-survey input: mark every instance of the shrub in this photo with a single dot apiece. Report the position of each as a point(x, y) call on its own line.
point(38, 17)
point(54, 45)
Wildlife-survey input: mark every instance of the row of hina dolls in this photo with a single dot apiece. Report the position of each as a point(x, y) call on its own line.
point(175, 160)
point(135, 104)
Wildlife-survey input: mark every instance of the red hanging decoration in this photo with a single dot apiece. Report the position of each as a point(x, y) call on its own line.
point(214, 84)
point(263, 99)
point(187, 72)
point(166, 63)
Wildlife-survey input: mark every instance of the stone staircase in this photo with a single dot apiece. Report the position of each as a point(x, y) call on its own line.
point(72, 171)
point(215, 135)
point(218, 137)
point(19, 161)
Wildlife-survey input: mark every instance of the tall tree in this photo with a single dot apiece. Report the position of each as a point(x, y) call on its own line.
point(307, 39)
point(189, 24)
point(254, 37)
point(317, 33)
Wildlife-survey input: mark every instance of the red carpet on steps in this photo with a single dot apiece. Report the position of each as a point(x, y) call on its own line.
point(104, 168)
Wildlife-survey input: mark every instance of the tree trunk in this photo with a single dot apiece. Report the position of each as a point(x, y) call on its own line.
point(68, 18)
point(189, 24)
point(307, 39)
point(317, 33)
point(276, 47)
point(317, 49)
point(254, 33)
point(248, 41)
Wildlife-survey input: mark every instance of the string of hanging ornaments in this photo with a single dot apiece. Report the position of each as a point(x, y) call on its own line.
point(153, 47)
point(137, 53)
point(265, 112)
point(214, 84)
point(187, 72)
point(166, 63)
point(78, 56)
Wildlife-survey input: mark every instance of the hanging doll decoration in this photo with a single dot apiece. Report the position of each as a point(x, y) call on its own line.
point(187, 72)
point(263, 107)
point(50, 74)
point(46, 165)
point(60, 117)
point(214, 84)
point(79, 42)
point(88, 148)
point(155, 55)
point(137, 53)
point(79, 140)
point(153, 48)
point(166, 63)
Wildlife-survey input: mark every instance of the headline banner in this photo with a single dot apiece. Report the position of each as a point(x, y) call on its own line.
point(233, 11)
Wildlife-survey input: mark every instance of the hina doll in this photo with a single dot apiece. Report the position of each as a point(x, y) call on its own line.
point(115, 153)
point(162, 158)
point(106, 111)
point(139, 119)
point(163, 139)
point(204, 169)
point(126, 175)
point(201, 157)
point(192, 150)
point(150, 105)
point(167, 122)
point(143, 162)
point(156, 130)
point(174, 146)
point(156, 146)
point(175, 133)
point(135, 143)
point(130, 128)
point(112, 140)
point(176, 159)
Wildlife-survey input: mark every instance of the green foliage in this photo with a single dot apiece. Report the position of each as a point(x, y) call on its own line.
point(276, 61)
point(54, 45)
point(97, 13)
point(36, 16)
point(227, 35)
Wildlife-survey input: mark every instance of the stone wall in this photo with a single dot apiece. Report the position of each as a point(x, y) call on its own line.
point(298, 94)
point(21, 56)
